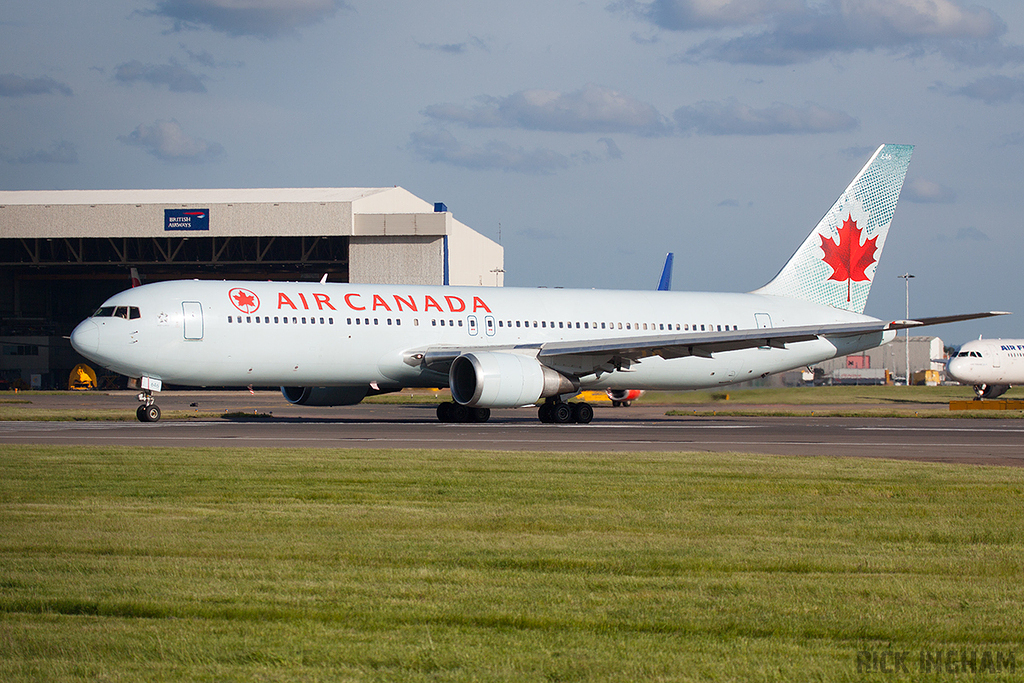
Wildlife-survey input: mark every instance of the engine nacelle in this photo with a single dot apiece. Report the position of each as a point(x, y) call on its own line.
point(623, 397)
point(504, 380)
point(325, 396)
point(991, 390)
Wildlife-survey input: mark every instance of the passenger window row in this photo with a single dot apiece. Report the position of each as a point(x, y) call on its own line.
point(652, 327)
point(296, 320)
point(376, 321)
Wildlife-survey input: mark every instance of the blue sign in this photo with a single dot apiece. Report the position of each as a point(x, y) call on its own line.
point(186, 219)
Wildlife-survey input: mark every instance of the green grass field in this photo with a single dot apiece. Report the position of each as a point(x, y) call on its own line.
point(121, 564)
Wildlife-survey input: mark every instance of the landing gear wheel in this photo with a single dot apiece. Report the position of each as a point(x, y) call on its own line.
point(583, 413)
point(444, 411)
point(616, 404)
point(460, 413)
point(150, 413)
point(561, 413)
point(480, 414)
point(544, 413)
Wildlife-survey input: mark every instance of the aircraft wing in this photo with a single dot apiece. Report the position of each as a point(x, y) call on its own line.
point(705, 344)
point(617, 353)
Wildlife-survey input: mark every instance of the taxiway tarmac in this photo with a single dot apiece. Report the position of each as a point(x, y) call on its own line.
point(640, 428)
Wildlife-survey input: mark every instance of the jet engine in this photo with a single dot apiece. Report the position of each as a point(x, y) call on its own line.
point(325, 396)
point(991, 390)
point(623, 397)
point(504, 380)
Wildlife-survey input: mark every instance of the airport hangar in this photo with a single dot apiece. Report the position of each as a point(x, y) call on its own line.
point(62, 253)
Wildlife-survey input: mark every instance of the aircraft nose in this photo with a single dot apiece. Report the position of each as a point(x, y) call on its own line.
point(86, 338)
point(955, 369)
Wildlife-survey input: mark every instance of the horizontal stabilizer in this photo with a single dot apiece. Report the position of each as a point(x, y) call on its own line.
point(942, 319)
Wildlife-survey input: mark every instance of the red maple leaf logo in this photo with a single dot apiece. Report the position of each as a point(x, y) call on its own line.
point(244, 300)
point(848, 257)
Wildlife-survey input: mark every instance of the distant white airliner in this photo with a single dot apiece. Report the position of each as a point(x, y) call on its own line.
point(991, 366)
point(334, 344)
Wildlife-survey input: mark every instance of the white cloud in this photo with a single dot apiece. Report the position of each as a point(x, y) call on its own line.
point(592, 109)
point(176, 77)
point(793, 31)
point(455, 48)
point(13, 85)
point(994, 89)
point(167, 141)
point(970, 235)
point(611, 149)
point(733, 118)
point(260, 18)
point(689, 15)
point(62, 152)
point(924, 191)
point(920, 18)
point(440, 146)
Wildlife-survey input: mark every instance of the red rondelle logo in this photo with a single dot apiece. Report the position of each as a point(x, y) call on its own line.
point(244, 300)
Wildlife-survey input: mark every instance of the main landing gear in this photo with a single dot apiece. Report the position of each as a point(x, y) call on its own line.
point(559, 412)
point(449, 411)
point(552, 411)
point(149, 411)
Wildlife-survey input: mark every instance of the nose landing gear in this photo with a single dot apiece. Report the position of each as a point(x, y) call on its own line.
point(149, 411)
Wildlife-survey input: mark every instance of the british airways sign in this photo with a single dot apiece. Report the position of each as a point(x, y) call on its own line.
point(186, 219)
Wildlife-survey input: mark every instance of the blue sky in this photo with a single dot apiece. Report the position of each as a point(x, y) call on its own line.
point(598, 135)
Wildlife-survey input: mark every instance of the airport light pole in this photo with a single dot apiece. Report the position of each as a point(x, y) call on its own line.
point(906, 337)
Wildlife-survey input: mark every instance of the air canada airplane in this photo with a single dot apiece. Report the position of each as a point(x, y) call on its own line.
point(992, 366)
point(332, 344)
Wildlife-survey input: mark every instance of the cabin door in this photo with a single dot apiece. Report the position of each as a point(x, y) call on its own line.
point(193, 311)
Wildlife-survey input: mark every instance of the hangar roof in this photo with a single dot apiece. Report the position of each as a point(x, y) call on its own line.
point(213, 196)
point(233, 212)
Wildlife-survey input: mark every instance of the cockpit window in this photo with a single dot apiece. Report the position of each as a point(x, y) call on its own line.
point(126, 312)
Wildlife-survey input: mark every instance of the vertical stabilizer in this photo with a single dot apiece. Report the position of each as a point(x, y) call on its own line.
point(836, 263)
point(665, 284)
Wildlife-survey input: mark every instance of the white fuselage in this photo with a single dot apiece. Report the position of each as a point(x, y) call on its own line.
point(212, 333)
point(989, 361)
